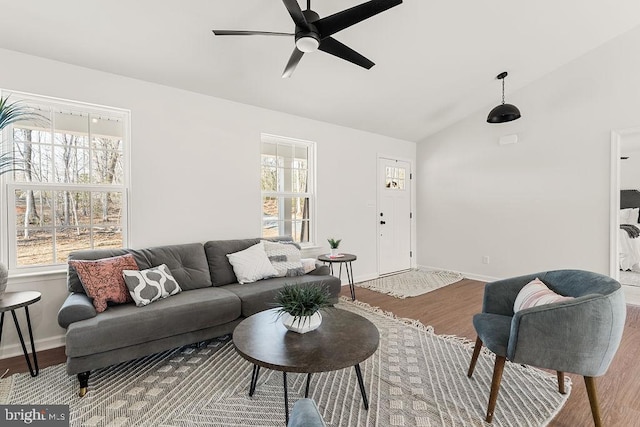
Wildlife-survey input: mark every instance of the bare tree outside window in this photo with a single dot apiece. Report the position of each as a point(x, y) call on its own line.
point(70, 194)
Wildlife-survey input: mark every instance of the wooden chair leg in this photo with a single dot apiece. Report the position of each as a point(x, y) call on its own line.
point(561, 382)
point(495, 386)
point(590, 382)
point(474, 358)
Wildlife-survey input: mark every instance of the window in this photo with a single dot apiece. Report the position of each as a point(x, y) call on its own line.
point(71, 190)
point(394, 178)
point(287, 188)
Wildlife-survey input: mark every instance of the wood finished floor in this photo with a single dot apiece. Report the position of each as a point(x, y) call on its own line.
point(449, 310)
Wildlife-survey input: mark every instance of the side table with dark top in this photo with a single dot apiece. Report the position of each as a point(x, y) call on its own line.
point(345, 259)
point(343, 339)
point(11, 301)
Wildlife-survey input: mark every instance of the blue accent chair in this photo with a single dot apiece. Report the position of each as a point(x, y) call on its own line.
point(579, 336)
point(305, 413)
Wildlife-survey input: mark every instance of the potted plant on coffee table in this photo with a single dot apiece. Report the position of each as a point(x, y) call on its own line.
point(299, 306)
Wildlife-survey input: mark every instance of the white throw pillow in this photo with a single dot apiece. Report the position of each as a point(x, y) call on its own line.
point(285, 258)
point(308, 264)
point(629, 215)
point(252, 264)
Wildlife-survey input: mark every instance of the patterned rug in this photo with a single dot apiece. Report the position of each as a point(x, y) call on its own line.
point(412, 283)
point(416, 378)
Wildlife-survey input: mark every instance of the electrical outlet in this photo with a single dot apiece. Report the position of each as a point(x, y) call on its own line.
point(485, 259)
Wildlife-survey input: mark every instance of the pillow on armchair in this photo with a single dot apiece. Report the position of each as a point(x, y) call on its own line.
point(536, 293)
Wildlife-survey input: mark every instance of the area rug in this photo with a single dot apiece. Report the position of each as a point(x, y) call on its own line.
point(412, 283)
point(416, 378)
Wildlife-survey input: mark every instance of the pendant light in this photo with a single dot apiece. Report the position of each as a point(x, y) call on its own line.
point(503, 112)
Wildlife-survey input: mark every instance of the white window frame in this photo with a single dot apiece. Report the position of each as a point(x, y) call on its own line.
point(311, 182)
point(8, 217)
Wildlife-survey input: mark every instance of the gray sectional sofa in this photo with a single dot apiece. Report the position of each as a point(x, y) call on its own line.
point(212, 304)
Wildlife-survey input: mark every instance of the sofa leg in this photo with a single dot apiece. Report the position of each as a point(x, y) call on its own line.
point(83, 378)
point(495, 386)
point(474, 358)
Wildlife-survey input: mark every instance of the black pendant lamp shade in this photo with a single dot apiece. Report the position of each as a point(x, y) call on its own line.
point(503, 112)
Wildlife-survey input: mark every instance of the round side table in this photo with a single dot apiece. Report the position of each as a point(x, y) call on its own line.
point(345, 259)
point(11, 301)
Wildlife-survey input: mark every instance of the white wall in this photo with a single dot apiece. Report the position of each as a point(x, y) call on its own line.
point(195, 169)
point(542, 203)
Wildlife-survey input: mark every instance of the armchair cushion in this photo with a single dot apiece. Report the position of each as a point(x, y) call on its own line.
point(493, 330)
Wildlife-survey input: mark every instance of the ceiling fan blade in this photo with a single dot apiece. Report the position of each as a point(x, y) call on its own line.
point(341, 20)
point(248, 33)
point(335, 48)
point(296, 56)
point(296, 13)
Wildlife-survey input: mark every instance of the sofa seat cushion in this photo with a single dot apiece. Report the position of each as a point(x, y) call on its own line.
point(126, 325)
point(259, 296)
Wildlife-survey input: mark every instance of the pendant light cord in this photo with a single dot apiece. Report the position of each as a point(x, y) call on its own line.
point(503, 91)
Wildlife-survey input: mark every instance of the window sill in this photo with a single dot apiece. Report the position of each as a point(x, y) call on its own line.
point(31, 276)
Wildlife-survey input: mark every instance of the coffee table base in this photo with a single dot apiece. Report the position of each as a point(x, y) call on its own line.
point(254, 382)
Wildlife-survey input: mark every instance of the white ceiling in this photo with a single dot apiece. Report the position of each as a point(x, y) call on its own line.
point(436, 61)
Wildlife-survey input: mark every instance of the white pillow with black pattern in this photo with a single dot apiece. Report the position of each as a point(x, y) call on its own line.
point(285, 258)
point(147, 286)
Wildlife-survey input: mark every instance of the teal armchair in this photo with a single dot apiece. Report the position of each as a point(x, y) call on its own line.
point(579, 335)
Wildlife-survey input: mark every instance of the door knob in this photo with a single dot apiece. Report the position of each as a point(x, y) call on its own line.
point(382, 222)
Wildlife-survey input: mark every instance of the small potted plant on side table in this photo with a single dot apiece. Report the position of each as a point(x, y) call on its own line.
point(333, 244)
point(299, 306)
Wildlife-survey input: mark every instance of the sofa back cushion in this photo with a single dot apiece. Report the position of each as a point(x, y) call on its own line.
point(188, 263)
point(220, 268)
point(219, 265)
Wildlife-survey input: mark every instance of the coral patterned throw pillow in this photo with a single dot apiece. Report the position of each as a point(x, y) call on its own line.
point(102, 279)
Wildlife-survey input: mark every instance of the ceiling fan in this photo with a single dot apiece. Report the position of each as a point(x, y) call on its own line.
point(314, 33)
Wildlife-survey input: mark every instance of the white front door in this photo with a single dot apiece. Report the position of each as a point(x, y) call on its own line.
point(394, 216)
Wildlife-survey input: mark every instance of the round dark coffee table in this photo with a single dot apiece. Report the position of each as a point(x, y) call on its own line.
point(343, 339)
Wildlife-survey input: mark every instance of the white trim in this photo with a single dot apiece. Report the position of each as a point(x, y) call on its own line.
point(14, 350)
point(614, 208)
point(7, 186)
point(413, 197)
point(311, 192)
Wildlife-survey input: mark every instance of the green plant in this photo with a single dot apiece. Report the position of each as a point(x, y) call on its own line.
point(301, 301)
point(333, 243)
point(11, 113)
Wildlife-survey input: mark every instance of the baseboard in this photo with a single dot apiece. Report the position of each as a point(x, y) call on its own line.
point(14, 350)
point(473, 276)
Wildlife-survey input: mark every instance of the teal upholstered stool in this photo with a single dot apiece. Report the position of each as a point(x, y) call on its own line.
point(305, 413)
point(580, 335)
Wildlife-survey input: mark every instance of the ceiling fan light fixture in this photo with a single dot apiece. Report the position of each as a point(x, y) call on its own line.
point(307, 44)
point(504, 112)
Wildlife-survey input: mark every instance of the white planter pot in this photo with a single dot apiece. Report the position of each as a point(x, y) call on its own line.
point(334, 252)
point(302, 324)
point(4, 275)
